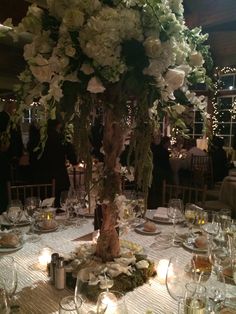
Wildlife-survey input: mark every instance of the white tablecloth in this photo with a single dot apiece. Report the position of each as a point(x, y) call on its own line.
point(36, 295)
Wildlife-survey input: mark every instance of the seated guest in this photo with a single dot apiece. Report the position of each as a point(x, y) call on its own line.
point(192, 149)
point(161, 171)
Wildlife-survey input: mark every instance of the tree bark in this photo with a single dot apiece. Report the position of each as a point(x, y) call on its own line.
point(108, 246)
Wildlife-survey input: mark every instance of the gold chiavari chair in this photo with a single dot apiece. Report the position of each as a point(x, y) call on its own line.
point(42, 190)
point(188, 194)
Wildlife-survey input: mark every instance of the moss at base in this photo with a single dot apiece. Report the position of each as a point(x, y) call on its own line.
point(122, 283)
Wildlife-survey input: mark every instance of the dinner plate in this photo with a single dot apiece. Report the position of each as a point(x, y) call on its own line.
point(5, 222)
point(11, 249)
point(140, 229)
point(159, 219)
point(191, 246)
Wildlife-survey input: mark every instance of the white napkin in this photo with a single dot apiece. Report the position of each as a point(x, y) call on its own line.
point(48, 202)
point(161, 212)
point(4, 218)
point(231, 178)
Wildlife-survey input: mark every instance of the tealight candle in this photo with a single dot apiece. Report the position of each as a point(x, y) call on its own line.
point(162, 270)
point(44, 257)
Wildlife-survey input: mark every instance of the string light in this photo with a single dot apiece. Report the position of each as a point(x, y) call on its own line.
point(217, 115)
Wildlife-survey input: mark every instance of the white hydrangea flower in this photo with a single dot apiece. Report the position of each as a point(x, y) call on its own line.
point(152, 47)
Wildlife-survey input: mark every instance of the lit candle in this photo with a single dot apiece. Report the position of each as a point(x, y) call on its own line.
point(162, 270)
point(44, 257)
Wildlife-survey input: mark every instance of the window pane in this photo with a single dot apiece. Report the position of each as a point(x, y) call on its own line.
point(224, 116)
point(198, 128)
point(225, 102)
point(224, 128)
point(198, 117)
point(227, 81)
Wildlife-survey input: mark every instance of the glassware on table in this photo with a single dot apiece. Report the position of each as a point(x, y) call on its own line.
point(67, 305)
point(195, 299)
point(177, 276)
point(190, 214)
point(4, 307)
point(32, 206)
point(175, 213)
point(111, 302)
point(9, 277)
point(215, 287)
point(14, 212)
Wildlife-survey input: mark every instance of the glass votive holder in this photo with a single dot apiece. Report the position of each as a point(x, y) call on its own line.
point(44, 258)
point(161, 270)
point(112, 302)
point(67, 305)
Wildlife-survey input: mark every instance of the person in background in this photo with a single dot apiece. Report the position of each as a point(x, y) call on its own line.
point(11, 149)
point(161, 171)
point(192, 149)
point(220, 162)
point(55, 154)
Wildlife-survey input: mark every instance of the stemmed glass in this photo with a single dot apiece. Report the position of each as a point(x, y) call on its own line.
point(9, 277)
point(215, 286)
point(4, 308)
point(175, 213)
point(31, 208)
point(15, 212)
point(195, 300)
point(190, 214)
point(177, 276)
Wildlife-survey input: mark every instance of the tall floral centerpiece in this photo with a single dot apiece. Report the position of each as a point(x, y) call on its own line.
point(133, 58)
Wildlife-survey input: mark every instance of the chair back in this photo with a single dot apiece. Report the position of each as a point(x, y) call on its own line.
point(202, 170)
point(21, 192)
point(188, 194)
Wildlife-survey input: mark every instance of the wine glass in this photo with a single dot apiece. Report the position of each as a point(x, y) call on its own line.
point(31, 208)
point(190, 216)
point(4, 308)
point(215, 287)
point(175, 213)
point(9, 277)
point(195, 298)
point(14, 212)
point(177, 276)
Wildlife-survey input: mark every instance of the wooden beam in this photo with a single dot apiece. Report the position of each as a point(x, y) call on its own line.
point(210, 12)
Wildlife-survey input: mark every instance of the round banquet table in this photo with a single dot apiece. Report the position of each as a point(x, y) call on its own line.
point(35, 295)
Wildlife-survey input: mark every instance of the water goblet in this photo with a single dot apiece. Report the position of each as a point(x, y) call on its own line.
point(190, 216)
point(4, 307)
point(31, 208)
point(177, 276)
point(9, 277)
point(14, 212)
point(175, 213)
point(195, 299)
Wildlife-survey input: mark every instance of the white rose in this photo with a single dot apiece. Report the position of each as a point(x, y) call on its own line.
point(196, 59)
point(95, 85)
point(86, 69)
point(152, 47)
point(70, 51)
point(174, 78)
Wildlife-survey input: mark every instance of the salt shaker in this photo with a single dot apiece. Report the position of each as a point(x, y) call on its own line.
point(60, 274)
point(53, 264)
